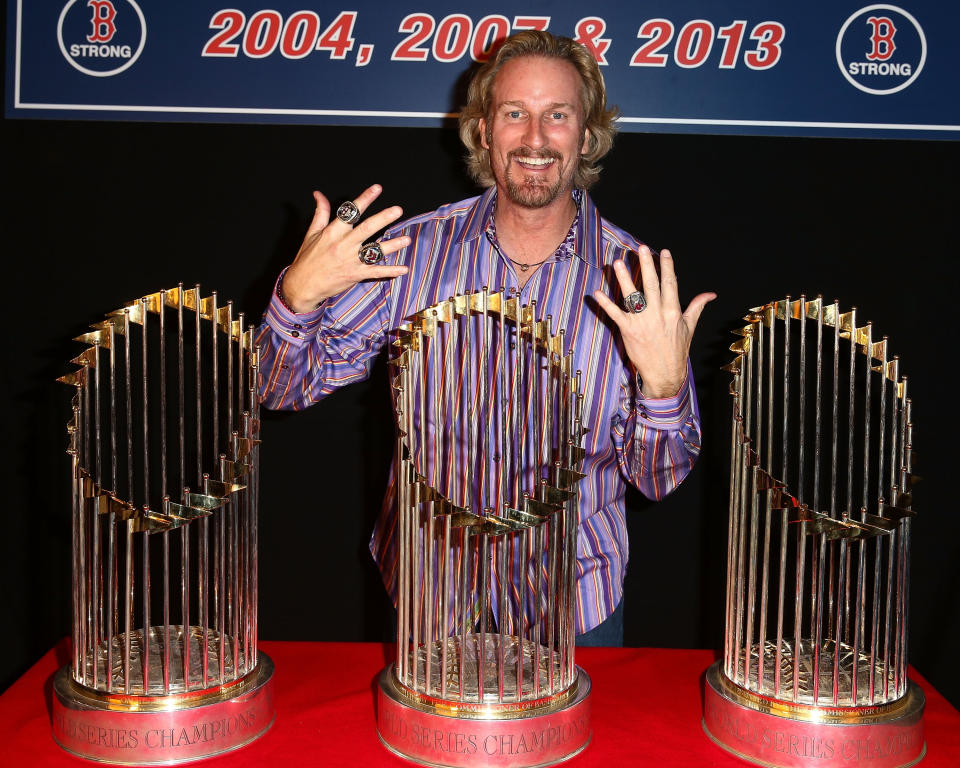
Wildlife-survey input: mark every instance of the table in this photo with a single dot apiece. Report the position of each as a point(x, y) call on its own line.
point(647, 710)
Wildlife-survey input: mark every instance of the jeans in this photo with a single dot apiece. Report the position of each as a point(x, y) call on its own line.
point(608, 633)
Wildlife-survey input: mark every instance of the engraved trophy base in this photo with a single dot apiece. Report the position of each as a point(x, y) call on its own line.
point(163, 729)
point(509, 735)
point(767, 732)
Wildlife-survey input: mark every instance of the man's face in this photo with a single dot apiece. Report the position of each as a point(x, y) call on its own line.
point(535, 134)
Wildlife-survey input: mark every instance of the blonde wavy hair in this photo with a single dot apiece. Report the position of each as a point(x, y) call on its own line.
point(596, 116)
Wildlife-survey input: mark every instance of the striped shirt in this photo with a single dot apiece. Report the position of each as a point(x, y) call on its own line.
point(650, 443)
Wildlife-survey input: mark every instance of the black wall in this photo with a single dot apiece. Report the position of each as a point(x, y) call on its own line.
point(97, 214)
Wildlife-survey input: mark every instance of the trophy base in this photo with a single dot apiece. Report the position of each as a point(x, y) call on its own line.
point(162, 730)
point(886, 736)
point(507, 737)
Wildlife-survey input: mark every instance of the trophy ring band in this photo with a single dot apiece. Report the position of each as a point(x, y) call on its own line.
point(348, 212)
point(371, 253)
point(635, 302)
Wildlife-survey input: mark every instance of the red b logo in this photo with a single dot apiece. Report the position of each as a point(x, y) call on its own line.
point(103, 15)
point(882, 38)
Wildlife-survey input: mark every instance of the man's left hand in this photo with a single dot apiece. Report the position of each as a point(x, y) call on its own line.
point(656, 339)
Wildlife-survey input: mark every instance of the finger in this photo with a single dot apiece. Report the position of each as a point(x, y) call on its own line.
point(695, 308)
point(648, 274)
point(613, 311)
point(365, 198)
point(321, 214)
point(624, 278)
point(363, 201)
point(394, 244)
point(668, 280)
point(383, 273)
point(368, 227)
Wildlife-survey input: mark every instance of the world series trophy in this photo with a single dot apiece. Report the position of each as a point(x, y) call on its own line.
point(164, 438)
point(489, 416)
point(814, 669)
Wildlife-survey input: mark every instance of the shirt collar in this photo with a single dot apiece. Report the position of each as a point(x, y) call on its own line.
point(586, 227)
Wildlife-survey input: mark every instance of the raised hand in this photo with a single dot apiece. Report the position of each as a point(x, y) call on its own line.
point(329, 262)
point(657, 337)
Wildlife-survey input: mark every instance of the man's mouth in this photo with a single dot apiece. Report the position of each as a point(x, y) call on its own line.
point(534, 162)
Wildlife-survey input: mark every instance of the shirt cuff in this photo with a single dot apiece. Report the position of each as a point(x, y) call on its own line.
point(296, 328)
point(665, 412)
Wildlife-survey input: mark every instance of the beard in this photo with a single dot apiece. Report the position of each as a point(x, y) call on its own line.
point(533, 191)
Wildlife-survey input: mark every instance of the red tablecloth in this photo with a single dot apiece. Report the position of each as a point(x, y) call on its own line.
point(647, 710)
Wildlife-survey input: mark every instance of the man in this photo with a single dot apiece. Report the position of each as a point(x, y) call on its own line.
point(536, 124)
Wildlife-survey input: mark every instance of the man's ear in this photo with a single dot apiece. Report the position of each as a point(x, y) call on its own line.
point(585, 147)
point(482, 125)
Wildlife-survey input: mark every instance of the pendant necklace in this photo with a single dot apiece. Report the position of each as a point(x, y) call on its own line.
point(525, 267)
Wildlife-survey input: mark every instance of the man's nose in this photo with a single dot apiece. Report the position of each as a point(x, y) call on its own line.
point(534, 136)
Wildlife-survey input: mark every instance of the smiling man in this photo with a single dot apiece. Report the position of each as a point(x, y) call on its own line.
point(536, 124)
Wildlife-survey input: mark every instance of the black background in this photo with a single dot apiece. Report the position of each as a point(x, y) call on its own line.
point(97, 214)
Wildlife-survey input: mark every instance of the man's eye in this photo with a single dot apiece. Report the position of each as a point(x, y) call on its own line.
point(558, 115)
point(514, 114)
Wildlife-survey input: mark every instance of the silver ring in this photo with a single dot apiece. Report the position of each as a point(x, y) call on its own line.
point(635, 302)
point(348, 212)
point(371, 253)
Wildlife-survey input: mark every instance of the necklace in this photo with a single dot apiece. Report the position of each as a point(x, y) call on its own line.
point(525, 267)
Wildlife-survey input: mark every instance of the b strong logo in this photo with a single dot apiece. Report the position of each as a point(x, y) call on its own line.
point(881, 49)
point(101, 37)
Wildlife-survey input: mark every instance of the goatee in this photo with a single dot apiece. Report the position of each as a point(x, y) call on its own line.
point(532, 192)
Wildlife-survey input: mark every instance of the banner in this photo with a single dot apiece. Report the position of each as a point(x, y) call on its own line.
point(818, 68)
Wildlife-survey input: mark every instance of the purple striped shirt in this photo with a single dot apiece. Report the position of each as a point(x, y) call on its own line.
point(649, 443)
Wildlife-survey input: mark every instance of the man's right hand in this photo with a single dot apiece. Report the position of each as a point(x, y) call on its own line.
point(328, 262)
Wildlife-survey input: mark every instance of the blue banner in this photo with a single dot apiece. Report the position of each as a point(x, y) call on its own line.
point(818, 68)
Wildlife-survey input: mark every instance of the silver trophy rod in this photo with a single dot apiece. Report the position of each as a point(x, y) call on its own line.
point(203, 540)
point(419, 569)
point(784, 519)
point(165, 536)
point(503, 576)
point(768, 511)
point(464, 560)
point(817, 557)
point(96, 570)
point(254, 402)
point(403, 643)
point(429, 381)
point(801, 495)
point(233, 553)
point(112, 592)
point(445, 607)
point(848, 624)
point(146, 649)
point(483, 400)
point(501, 545)
point(878, 541)
point(834, 425)
point(861, 596)
point(128, 569)
point(185, 529)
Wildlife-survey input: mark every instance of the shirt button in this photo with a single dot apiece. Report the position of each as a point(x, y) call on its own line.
point(297, 325)
point(284, 367)
point(294, 333)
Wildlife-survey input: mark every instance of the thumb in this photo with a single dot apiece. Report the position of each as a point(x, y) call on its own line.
point(321, 215)
point(695, 308)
